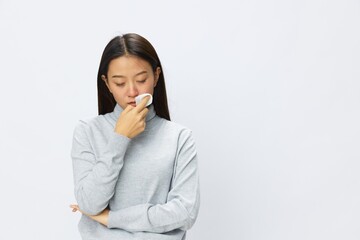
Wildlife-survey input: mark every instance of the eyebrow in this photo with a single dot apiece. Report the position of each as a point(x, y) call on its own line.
point(121, 76)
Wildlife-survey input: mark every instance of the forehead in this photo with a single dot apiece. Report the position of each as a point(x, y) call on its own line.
point(128, 65)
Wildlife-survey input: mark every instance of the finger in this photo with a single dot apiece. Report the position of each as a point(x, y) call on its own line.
point(142, 104)
point(128, 108)
point(144, 112)
point(75, 208)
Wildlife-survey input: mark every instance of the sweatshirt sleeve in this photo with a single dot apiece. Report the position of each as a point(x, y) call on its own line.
point(95, 176)
point(183, 201)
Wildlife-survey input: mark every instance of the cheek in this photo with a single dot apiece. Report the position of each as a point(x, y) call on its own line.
point(149, 87)
point(118, 93)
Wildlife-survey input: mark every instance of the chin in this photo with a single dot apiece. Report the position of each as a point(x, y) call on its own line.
point(122, 105)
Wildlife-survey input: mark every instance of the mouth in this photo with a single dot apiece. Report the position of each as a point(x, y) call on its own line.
point(132, 103)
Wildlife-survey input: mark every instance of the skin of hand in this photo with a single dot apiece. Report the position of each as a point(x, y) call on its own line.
point(101, 217)
point(132, 120)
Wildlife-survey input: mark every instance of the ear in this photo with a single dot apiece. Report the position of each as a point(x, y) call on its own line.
point(156, 75)
point(103, 77)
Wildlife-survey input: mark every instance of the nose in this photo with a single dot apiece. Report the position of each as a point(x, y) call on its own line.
point(133, 91)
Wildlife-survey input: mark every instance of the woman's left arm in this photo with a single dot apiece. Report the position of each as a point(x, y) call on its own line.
point(182, 206)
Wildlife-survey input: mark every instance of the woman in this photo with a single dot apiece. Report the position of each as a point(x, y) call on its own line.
point(135, 171)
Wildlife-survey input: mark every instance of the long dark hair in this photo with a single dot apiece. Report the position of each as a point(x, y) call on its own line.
point(135, 45)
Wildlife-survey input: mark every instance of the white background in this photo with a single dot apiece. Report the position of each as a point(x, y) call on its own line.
point(270, 89)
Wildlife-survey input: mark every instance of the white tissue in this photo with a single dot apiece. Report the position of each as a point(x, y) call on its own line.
point(141, 96)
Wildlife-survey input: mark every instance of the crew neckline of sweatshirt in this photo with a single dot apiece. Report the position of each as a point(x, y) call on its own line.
point(118, 110)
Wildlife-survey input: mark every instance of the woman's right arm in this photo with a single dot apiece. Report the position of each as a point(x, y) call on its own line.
point(95, 177)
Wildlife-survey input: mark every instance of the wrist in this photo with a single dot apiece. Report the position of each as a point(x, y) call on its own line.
point(123, 133)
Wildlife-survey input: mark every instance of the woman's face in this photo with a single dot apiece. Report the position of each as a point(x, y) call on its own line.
point(128, 77)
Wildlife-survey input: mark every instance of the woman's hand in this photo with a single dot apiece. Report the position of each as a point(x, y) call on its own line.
point(132, 119)
point(101, 218)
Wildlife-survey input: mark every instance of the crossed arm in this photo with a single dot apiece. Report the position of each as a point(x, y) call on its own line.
point(179, 212)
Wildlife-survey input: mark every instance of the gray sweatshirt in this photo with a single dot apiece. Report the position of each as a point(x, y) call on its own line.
point(149, 182)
